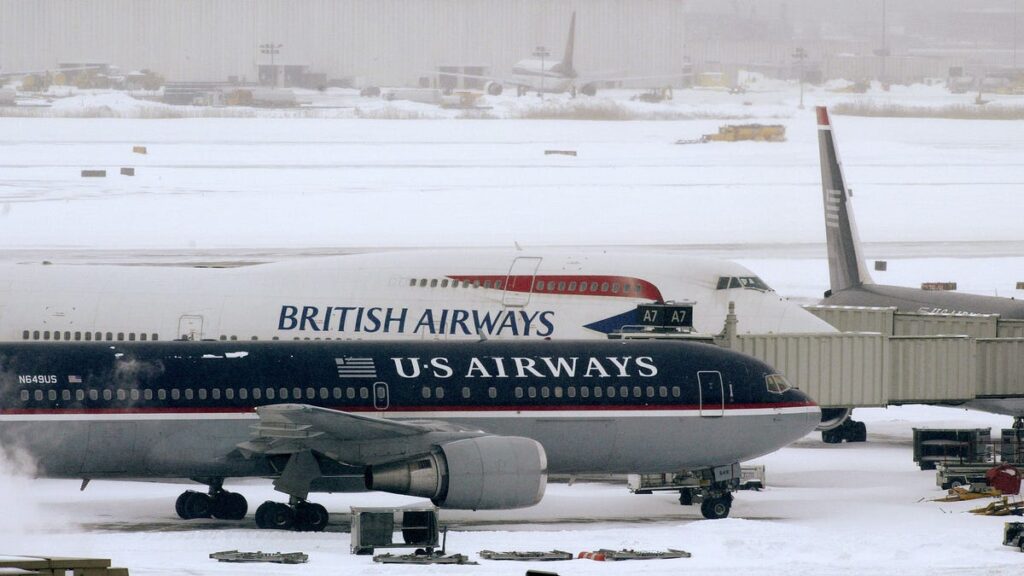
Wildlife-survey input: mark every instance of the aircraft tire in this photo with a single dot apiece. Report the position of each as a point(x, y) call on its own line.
point(715, 508)
point(261, 514)
point(831, 436)
point(860, 432)
point(196, 505)
point(229, 506)
point(311, 517)
point(179, 505)
point(279, 517)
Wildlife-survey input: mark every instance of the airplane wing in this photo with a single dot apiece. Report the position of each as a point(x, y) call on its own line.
point(291, 428)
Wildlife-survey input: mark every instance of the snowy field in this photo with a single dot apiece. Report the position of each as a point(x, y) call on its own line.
point(846, 509)
point(939, 199)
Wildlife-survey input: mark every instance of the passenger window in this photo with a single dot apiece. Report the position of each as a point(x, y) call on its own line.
point(439, 392)
point(215, 393)
point(202, 394)
point(80, 395)
point(297, 393)
point(78, 336)
point(120, 336)
point(243, 394)
point(351, 393)
point(626, 288)
point(46, 335)
point(544, 392)
point(423, 283)
point(270, 393)
point(465, 391)
point(24, 335)
point(487, 283)
point(189, 394)
point(604, 286)
point(636, 392)
point(624, 391)
point(142, 336)
point(593, 286)
point(94, 395)
point(611, 391)
point(584, 392)
point(154, 337)
point(161, 394)
point(561, 286)
point(24, 395)
point(67, 335)
point(598, 392)
point(519, 392)
point(229, 393)
point(283, 393)
point(110, 335)
point(131, 336)
point(531, 392)
point(497, 284)
point(65, 395)
point(675, 392)
point(650, 391)
point(39, 395)
point(663, 391)
point(134, 395)
point(412, 282)
point(558, 391)
point(310, 393)
point(257, 393)
point(433, 283)
point(572, 286)
point(35, 335)
point(88, 336)
point(538, 285)
point(108, 395)
point(570, 392)
point(551, 285)
point(147, 394)
point(52, 395)
point(492, 392)
point(364, 393)
point(444, 283)
point(56, 335)
point(615, 287)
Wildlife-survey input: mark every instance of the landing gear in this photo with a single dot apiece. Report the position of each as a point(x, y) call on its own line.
point(716, 508)
point(850, 430)
point(300, 516)
point(218, 503)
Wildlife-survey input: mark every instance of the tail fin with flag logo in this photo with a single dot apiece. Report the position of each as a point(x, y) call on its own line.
point(846, 265)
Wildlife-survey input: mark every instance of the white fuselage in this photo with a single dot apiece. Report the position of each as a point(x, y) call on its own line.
point(397, 295)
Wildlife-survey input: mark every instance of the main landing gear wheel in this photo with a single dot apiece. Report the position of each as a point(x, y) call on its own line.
point(229, 506)
point(301, 517)
point(716, 508)
point(192, 504)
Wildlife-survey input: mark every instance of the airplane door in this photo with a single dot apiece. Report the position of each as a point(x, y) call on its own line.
point(519, 282)
point(190, 327)
point(381, 397)
point(712, 394)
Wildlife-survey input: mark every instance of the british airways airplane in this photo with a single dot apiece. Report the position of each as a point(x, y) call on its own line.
point(430, 295)
point(469, 425)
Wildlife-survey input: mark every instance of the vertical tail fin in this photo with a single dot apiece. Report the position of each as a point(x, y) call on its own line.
point(566, 64)
point(846, 266)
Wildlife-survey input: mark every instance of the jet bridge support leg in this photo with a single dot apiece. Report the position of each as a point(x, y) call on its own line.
point(300, 471)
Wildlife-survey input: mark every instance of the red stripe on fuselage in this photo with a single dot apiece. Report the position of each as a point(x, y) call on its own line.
point(578, 285)
point(370, 409)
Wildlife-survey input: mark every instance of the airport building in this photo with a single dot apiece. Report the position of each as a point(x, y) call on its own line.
point(400, 42)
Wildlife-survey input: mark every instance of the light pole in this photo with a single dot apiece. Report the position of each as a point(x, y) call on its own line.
point(800, 54)
point(542, 53)
point(272, 49)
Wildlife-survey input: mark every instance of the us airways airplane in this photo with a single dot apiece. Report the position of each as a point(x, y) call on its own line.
point(852, 285)
point(470, 425)
point(496, 294)
point(850, 282)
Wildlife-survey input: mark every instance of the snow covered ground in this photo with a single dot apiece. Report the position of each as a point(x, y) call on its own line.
point(846, 509)
point(939, 199)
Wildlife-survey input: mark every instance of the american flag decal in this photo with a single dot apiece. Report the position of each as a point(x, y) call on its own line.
point(73, 379)
point(349, 367)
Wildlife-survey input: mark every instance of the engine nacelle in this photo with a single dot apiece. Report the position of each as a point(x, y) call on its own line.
point(832, 418)
point(485, 473)
point(494, 88)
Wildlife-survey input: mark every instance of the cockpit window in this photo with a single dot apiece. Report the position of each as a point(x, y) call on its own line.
point(748, 282)
point(777, 383)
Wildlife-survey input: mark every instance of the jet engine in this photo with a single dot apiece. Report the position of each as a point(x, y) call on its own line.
point(485, 473)
point(493, 88)
point(832, 418)
point(589, 89)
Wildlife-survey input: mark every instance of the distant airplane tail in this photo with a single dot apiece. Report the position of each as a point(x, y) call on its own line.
point(846, 265)
point(566, 64)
